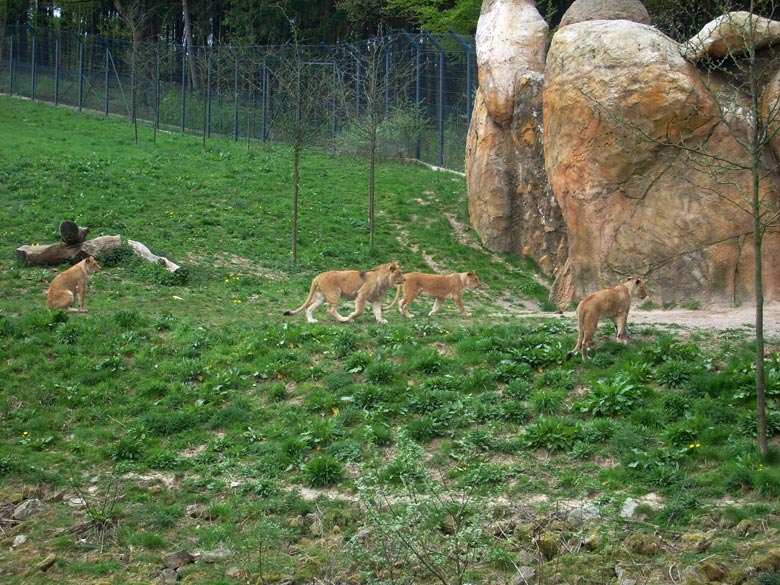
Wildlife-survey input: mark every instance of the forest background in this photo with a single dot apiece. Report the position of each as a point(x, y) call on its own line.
point(263, 22)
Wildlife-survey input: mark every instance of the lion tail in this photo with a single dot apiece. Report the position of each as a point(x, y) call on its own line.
point(312, 289)
point(395, 300)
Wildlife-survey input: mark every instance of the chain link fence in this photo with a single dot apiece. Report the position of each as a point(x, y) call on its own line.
point(415, 90)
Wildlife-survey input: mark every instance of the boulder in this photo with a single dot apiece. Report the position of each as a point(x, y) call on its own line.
point(510, 204)
point(584, 10)
point(731, 34)
point(619, 102)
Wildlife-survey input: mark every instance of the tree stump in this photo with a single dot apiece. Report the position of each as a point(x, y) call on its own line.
point(72, 234)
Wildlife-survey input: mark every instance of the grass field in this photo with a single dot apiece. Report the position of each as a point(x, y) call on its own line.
point(186, 414)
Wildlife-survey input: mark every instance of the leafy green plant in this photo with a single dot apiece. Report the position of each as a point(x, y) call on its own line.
point(553, 434)
point(674, 373)
point(611, 397)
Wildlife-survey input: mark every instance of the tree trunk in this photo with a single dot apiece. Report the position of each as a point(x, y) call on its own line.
point(64, 252)
point(190, 48)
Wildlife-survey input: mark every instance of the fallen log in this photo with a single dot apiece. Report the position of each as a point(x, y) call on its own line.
point(146, 254)
point(60, 252)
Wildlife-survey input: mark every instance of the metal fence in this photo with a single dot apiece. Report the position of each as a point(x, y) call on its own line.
point(416, 90)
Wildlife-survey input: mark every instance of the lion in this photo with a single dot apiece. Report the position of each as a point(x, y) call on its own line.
point(367, 286)
point(69, 287)
point(611, 303)
point(440, 287)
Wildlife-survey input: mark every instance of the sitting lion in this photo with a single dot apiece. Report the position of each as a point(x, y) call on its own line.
point(367, 286)
point(69, 287)
point(611, 303)
point(440, 287)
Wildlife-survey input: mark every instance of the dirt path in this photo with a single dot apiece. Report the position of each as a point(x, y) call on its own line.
point(718, 317)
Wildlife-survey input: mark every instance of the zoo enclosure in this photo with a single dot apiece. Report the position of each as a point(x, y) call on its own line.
point(420, 85)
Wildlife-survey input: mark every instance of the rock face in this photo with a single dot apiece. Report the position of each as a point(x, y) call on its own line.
point(617, 96)
point(584, 10)
point(598, 123)
point(510, 203)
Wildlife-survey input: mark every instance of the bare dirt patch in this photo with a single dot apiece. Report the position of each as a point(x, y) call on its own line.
point(711, 317)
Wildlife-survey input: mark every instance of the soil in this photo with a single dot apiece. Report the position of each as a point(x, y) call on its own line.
point(713, 317)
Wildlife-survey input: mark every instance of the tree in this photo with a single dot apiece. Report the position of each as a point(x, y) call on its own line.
point(364, 94)
point(189, 45)
point(297, 77)
point(135, 15)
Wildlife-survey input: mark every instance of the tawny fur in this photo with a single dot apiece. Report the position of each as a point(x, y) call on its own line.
point(611, 303)
point(438, 286)
point(69, 288)
point(367, 286)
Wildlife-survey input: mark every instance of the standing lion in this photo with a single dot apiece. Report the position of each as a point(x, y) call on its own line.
point(367, 286)
point(611, 303)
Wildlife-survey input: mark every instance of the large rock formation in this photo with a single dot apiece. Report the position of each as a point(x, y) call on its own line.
point(619, 101)
point(624, 117)
point(510, 203)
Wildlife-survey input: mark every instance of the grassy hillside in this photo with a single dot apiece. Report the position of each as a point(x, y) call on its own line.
point(186, 413)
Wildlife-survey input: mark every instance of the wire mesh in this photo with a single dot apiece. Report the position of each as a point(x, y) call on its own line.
point(415, 90)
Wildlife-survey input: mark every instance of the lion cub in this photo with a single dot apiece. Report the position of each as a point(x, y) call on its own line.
point(611, 303)
point(68, 288)
point(439, 286)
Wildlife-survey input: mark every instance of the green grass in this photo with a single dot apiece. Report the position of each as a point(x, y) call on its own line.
point(191, 414)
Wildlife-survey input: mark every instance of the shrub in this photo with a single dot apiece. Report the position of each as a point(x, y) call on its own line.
point(598, 430)
point(556, 379)
point(668, 348)
point(346, 451)
point(514, 411)
point(518, 389)
point(381, 372)
point(611, 397)
point(427, 361)
point(276, 392)
point(357, 362)
point(674, 373)
point(547, 401)
point(323, 471)
point(553, 434)
point(421, 429)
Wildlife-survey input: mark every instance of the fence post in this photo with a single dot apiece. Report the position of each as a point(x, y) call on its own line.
point(440, 101)
point(183, 85)
point(157, 92)
point(264, 106)
point(388, 53)
point(81, 73)
point(468, 48)
point(133, 88)
point(417, 46)
point(235, 103)
point(11, 67)
point(207, 129)
point(57, 71)
point(32, 71)
point(108, 80)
